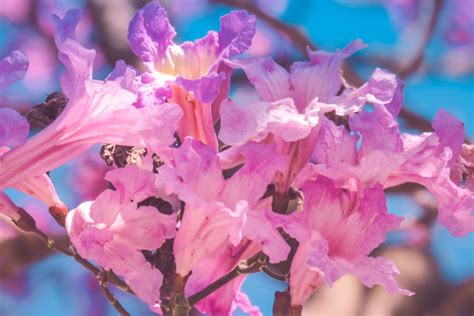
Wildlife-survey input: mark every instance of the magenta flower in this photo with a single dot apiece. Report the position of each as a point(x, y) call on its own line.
point(113, 230)
point(293, 104)
point(225, 211)
point(97, 112)
point(337, 231)
point(192, 74)
point(390, 158)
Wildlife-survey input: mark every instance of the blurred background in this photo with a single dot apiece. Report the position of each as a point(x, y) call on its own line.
point(428, 43)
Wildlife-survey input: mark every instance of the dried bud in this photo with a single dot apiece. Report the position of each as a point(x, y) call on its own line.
point(45, 113)
point(122, 156)
point(59, 213)
point(161, 205)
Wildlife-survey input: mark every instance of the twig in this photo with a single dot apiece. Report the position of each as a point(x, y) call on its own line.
point(103, 278)
point(417, 60)
point(251, 265)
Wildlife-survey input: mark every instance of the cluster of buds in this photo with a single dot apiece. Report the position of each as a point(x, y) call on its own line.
point(205, 189)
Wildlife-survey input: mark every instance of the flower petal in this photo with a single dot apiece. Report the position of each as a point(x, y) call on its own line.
point(150, 32)
point(12, 68)
point(14, 128)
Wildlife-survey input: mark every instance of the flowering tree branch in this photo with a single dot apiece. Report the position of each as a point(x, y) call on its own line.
point(301, 42)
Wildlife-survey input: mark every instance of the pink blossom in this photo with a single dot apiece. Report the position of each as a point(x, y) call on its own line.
point(97, 112)
point(293, 104)
point(391, 158)
point(225, 210)
point(337, 231)
point(191, 74)
point(114, 229)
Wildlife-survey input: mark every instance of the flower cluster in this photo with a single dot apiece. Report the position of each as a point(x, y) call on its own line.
point(292, 184)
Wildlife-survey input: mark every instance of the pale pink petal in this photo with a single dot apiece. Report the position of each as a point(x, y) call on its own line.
point(250, 182)
point(14, 128)
point(380, 89)
point(321, 76)
point(379, 130)
point(204, 228)
point(450, 132)
point(132, 183)
point(240, 123)
point(369, 270)
point(12, 68)
point(190, 166)
point(269, 79)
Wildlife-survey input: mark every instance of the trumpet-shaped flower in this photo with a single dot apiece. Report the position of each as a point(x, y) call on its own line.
point(391, 158)
point(114, 229)
point(337, 231)
point(192, 74)
point(224, 210)
point(97, 112)
point(294, 103)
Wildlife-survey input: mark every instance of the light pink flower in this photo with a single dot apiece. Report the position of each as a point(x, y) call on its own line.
point(14, 130)
point(391, 158)
point(97, 112)
point(191, 74)
point(293, 104)
point(114, 229)
point(224, 210)
point(337, 231)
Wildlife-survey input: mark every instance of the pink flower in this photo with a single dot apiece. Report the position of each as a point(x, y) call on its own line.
point(293, 104)
point(191, 74)
point(114, 229)
point(14, 130)
point(391, 158)
point(97, 112)
point(337, 231)
point(223, 211)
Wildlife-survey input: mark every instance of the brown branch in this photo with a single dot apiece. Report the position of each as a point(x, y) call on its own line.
point(103, 278)
point(417, 60)
point(251, 265)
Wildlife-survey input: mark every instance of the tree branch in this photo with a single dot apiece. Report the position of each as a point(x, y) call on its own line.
point(103, 278)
